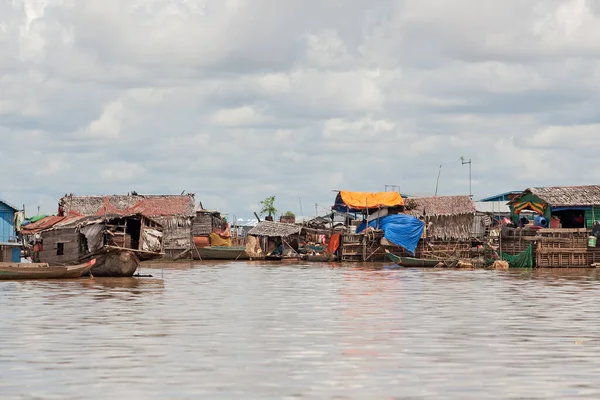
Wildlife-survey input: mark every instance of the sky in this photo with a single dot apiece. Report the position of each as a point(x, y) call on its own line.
point(238, 100)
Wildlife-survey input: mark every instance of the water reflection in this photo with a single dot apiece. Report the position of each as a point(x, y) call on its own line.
point(278, 330)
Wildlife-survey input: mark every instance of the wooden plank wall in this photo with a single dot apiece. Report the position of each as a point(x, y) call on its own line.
point(70, 240)
point(553, 248)
point(202, 224)
point(562, 249)
point(443, 249)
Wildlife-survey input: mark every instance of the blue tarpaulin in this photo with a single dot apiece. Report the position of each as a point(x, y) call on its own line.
point(401, 229)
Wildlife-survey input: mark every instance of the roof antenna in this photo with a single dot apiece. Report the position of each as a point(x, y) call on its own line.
point(437, 182)
point(182, 193)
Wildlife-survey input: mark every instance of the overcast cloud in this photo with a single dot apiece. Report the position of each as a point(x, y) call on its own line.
point(236, 100)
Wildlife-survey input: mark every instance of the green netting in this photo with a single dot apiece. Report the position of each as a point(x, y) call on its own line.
point(521, 260)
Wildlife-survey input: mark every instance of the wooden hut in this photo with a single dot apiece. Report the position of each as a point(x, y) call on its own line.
point(574, 206)
point(265, 237)
point(446, 217)
point(448, 224)
point(559, 236)
point(205, 224)
point(369, 206)
point(173, 212)
point(118, 242)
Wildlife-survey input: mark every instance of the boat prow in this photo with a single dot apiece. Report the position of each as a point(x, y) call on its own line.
point(18, 271)
point(420, 262)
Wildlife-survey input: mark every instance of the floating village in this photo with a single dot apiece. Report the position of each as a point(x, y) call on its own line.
point(541, 227)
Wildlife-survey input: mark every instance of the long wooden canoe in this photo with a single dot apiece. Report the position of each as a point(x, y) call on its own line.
point(9, 271)
point(220, 253)
point(418, 262)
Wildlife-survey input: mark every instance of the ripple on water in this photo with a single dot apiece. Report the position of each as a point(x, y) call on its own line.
point(255, 330)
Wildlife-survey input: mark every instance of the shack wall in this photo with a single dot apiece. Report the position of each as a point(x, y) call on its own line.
point(7, 226)
point(177, 234)
point(205, 223)
point(70, 243)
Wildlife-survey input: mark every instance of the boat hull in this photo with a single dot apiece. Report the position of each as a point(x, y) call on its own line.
point(418, 262)
point(18, 271)
point(116, 264)
point(220, 253)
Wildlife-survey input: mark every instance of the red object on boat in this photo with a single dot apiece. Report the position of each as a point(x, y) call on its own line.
point(201, 241)
point(334, 243)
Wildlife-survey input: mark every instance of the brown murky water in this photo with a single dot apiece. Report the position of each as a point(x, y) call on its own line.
point(252, 330)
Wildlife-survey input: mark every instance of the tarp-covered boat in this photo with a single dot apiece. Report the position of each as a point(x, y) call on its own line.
point(13, 271)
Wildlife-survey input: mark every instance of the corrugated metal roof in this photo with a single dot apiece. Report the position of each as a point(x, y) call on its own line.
point(492, 206)
point(501, 197)
point(42, 224)
point(564, 196)
point(440, 205)
point(8, 204)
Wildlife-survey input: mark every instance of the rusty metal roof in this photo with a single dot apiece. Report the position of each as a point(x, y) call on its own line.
point(42, 224)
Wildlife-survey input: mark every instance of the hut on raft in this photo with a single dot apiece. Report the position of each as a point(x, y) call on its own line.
point(273, 240)
point(448, 225)
point(117, 242)
point(173, 212)
point(563, 232)
point(375, 223)
point(208, 228)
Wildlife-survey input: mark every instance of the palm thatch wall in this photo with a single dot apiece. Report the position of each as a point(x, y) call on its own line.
point(446, 217)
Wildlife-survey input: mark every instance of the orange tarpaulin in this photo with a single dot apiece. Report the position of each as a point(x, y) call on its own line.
point(334, 243)
point(362, 200)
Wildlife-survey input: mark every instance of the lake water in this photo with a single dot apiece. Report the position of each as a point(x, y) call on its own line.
point(260, 331)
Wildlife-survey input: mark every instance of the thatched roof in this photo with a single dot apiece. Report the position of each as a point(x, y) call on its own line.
point(439, 205)
point(565, 196)
point(274, 229)
point(149, 206)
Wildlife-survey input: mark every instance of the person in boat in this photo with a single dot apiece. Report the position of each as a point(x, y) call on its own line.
point(278, 249)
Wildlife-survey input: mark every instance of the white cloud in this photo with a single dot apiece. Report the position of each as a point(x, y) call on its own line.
point(237, 100)
point(240, 116)
point(108, 125)
point(120, 171)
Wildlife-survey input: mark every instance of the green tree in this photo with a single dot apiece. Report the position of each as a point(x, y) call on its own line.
point(268, 206)
point(289, 214)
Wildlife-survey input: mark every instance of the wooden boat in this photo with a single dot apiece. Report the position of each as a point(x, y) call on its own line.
point(220, 253)
point(43, 271)
point(419, 262)
point(113, 262)
point(325, 257)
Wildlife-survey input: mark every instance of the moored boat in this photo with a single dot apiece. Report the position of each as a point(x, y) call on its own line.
point(420, 262)
point(220, 253)
point(116, 263)
point(14, 271)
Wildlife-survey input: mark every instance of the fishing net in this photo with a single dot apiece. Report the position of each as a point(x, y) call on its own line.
point(521, 260)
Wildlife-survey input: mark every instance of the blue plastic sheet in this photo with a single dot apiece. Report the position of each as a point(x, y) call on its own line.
point(400, 229)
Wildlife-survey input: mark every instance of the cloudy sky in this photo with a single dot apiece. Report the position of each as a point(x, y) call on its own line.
point(236, 100)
